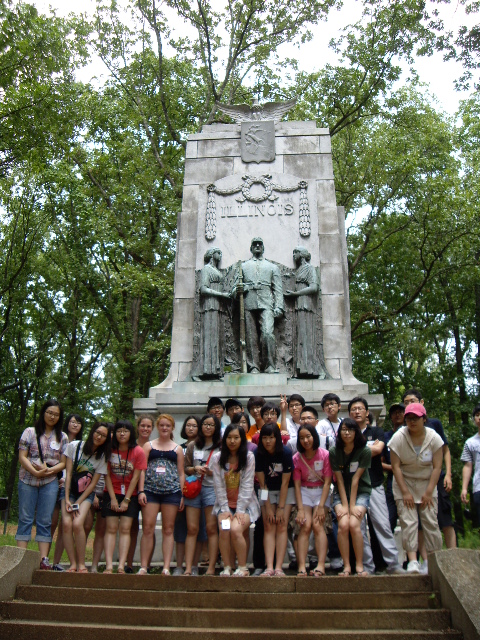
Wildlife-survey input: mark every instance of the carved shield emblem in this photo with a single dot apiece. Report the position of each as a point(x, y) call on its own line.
point(258, 141)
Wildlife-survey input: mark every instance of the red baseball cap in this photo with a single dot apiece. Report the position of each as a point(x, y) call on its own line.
point(416, 408)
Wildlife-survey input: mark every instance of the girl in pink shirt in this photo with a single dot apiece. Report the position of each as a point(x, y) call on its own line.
point(312, 475)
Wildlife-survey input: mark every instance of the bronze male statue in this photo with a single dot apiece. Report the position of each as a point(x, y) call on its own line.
point(263, 296)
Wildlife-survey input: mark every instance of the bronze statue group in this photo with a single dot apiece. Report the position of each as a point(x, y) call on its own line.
point(329, 493)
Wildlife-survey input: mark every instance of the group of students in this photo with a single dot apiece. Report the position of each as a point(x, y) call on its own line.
point(302, 481)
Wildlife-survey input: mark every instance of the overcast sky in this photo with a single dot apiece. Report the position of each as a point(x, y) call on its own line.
point(312, 56)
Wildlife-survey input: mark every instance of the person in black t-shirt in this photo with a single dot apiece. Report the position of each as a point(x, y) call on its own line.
point(273, 469)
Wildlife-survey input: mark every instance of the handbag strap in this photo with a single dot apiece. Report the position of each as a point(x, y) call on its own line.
point(39, 447)
point(319, 477)
point(77, 455)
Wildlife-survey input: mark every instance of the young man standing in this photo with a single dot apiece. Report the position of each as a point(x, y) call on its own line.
point(471, 459)
point(254, 407)
point(295, 404)
point(331, 406)
point(397, 418)
point(378, 510)
point(445, 521)
point(233, 406)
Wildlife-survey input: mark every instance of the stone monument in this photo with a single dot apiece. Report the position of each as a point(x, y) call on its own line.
point(261, 300)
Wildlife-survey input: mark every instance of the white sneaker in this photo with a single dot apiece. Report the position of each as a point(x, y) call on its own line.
point(424, 567)
point(336, 564)
point(413, 567)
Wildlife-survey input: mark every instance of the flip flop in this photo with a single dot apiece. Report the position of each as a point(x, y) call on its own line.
point(302, 574)
point(71, 570)
point(142, 572)
point(345, 573)
point(317, 573)
point(85, 570)
point(279, 573)
point(108, 571)
point(363, 574)
point(268, 573)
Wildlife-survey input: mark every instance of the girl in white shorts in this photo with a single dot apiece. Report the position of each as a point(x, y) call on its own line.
point(312, 476)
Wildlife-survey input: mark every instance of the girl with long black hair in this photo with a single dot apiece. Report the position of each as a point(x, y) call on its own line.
point(42, 457)
point(236, 505)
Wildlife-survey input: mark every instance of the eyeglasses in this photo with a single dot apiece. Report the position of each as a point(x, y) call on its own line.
point(270, 414)
point(52, 414)
point(294, 405)
point(100, 434)
point(330, 404)
point(122, 431)
point(347, 430)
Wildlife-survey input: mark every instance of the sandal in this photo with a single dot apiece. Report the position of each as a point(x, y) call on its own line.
point(166, 572)
point(241, 573)
point(226, 573)
point(302, 574)
point(120, 572)
point(84, 570)
point(279, 573)
point(108, 571)
point(362, 574)
point(71, 570)
point(142, 572)
point(317, 573)
point(268, 573)
point(345, 573)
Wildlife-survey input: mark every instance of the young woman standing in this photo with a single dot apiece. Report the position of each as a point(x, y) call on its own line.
point(145, 424)
point(120, 504)
point(273, 468)
point(350, 460)
point(42, 457)
point(312, 476)
point(161, 492)
point(87, 458)
point(73, 427)
point(197, 462)
point(236, 505)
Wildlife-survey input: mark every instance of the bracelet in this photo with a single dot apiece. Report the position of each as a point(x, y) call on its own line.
point(127, 500)
point(141, 492)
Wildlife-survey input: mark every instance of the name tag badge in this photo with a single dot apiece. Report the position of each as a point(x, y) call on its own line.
point(427, 456)
point(353, 467)
point(370, 443)
point(318, 465)
point(227, 466)
point(278, 467)
point(225, 524)
point(161, 470)
point(198, 455)
point(264, 495)
point(55, 445)
point(122, 489)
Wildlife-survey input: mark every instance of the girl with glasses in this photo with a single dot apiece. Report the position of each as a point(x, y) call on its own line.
point(350, 460)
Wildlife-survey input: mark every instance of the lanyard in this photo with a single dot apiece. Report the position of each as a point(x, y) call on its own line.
point(120, 464)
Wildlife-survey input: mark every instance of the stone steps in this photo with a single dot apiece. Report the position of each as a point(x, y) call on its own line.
point(154, 598)
point(74, 606)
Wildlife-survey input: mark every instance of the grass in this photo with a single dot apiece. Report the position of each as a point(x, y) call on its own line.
point(8, 540)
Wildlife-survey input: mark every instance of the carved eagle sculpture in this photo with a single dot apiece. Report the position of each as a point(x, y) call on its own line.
point(246, 113)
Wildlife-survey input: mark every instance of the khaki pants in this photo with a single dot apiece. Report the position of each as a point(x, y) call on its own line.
point(409, 523)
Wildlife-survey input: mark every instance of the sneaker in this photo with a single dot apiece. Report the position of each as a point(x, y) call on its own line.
point(413, 567)
point(195, 571)
point(45, 564)
point(128, 570)
point(424, 567)
point(336, 564)
point(178, 571)
point(257, 572)
point(395, 570)
point(57, 567)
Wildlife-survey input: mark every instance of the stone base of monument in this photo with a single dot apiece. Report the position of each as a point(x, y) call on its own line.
point(185, 398)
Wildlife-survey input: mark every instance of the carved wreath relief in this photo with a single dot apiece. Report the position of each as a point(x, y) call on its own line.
point(261, 204)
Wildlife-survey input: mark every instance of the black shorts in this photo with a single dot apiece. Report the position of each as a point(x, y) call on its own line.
point(444, 505)
point(131, 512)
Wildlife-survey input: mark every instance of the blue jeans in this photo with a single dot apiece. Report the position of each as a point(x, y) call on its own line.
point(39, 499)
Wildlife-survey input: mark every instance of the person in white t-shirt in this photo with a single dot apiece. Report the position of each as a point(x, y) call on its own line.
point(294, 404)
point(331, 406)
point(85, 464)
point(471, 459)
